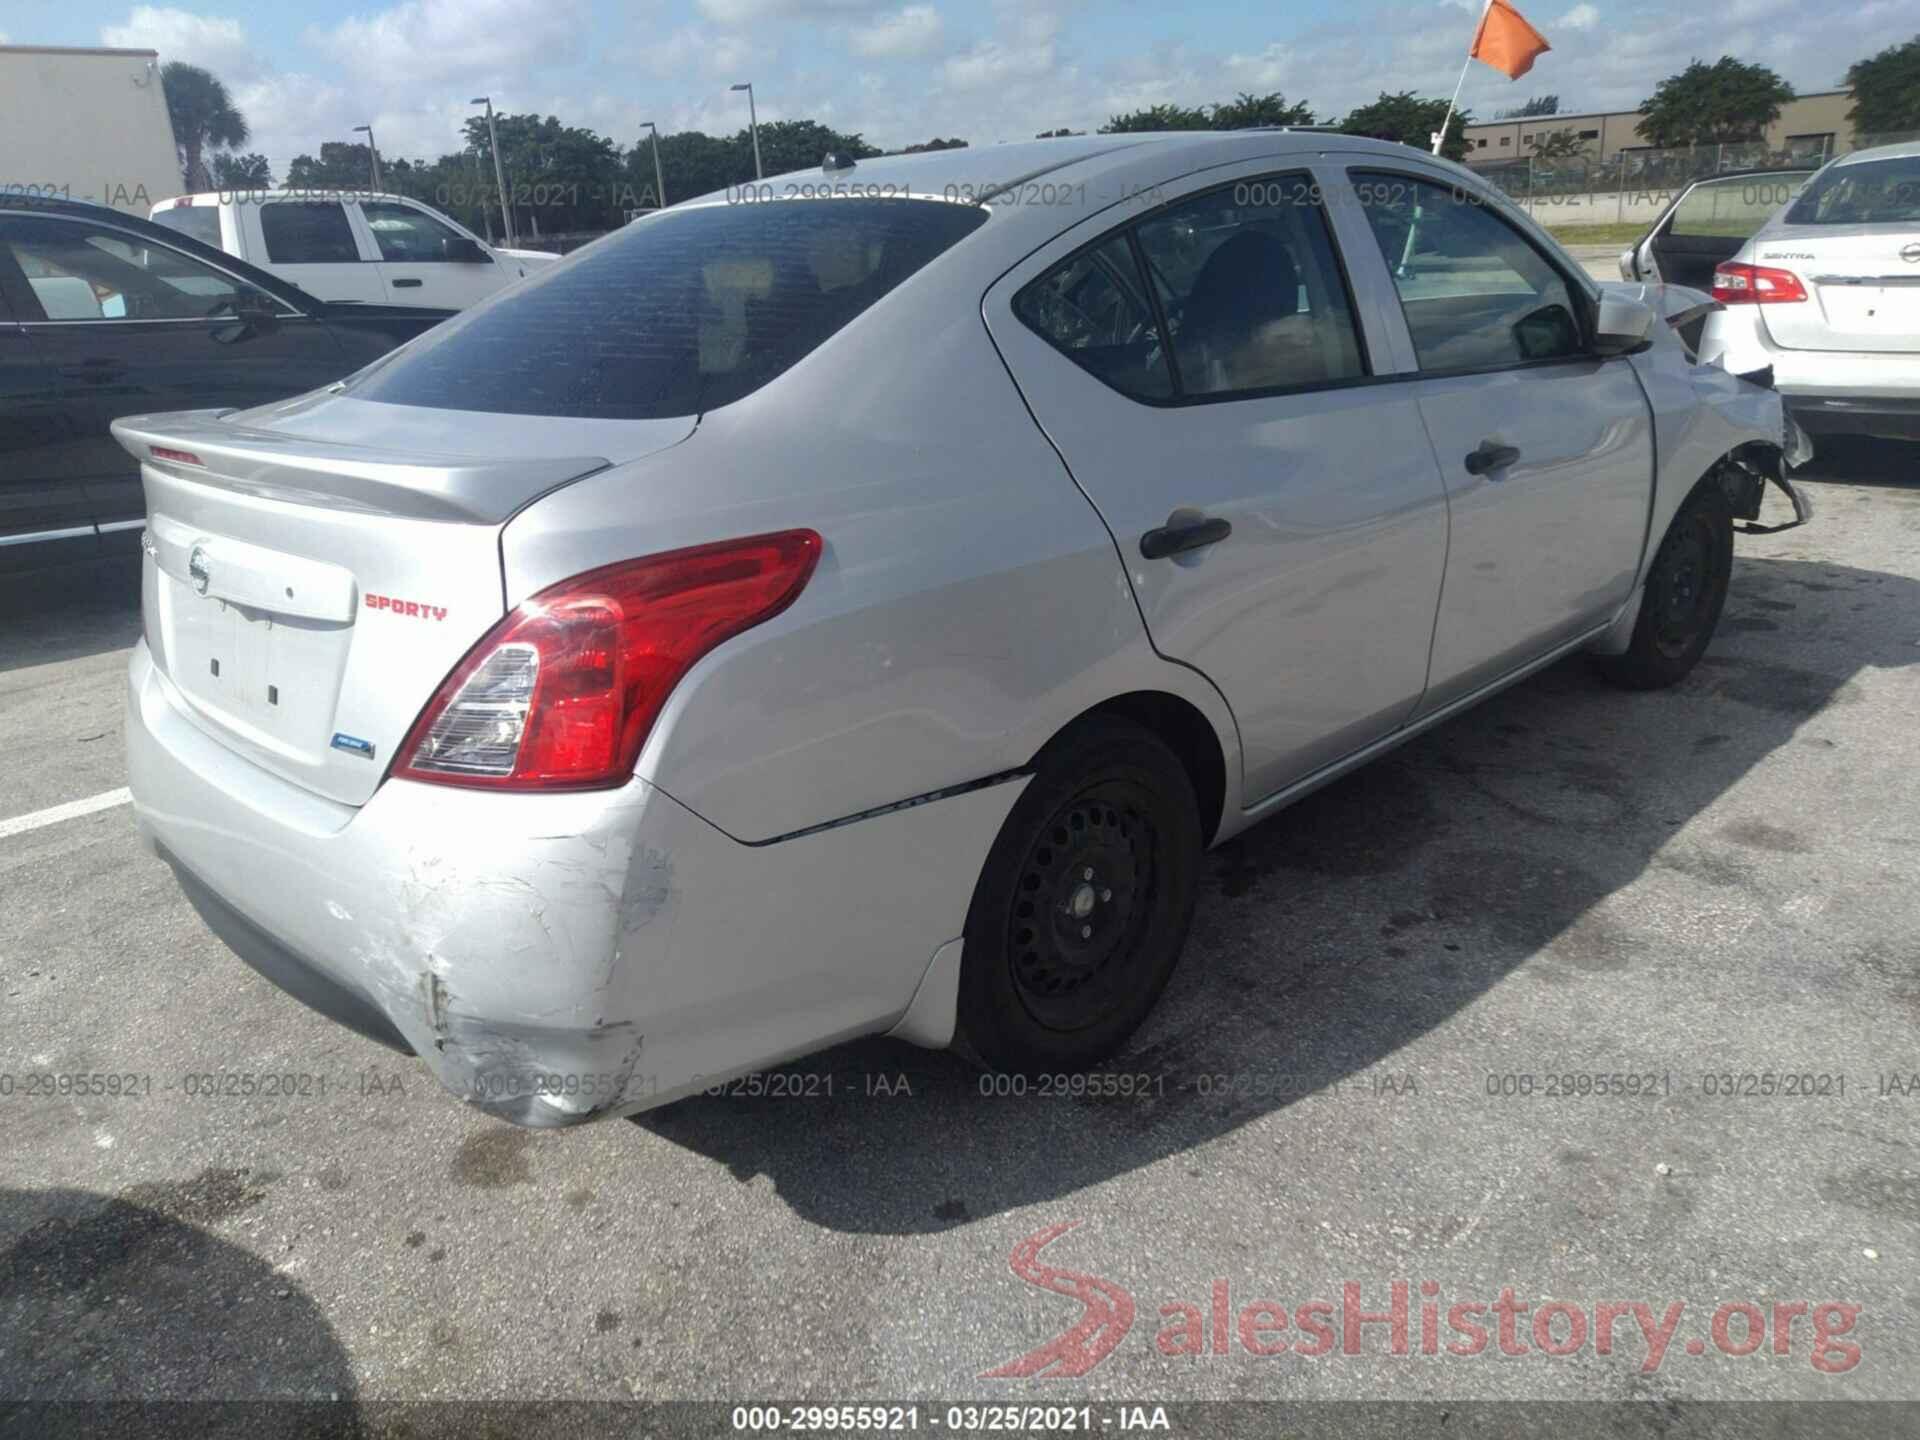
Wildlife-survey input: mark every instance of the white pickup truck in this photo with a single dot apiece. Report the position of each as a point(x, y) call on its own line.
point(336, 245)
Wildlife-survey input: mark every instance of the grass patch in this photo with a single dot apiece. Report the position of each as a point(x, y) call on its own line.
point(1621, 235)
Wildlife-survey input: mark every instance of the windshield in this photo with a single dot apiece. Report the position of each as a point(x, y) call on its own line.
point(676, 314)
point(1873, 192)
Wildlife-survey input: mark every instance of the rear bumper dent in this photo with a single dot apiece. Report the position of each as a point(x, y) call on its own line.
point(556, 958)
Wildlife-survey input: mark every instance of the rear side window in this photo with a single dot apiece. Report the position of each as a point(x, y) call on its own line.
point(1095, 311)
point(676, 314)
point(1251, 289)
point(308, 232)
point(197, 222)
point(1247, 298)
point(1731, 209)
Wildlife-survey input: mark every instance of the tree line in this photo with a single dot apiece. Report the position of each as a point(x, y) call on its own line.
point(562, 178)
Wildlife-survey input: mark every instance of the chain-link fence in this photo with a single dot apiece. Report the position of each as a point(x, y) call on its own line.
point(1636, 184)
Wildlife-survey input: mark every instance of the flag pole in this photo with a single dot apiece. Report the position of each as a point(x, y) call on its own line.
point(1440, 135)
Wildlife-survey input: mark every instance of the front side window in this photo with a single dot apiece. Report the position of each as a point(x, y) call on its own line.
point(403, 233)
point(308, 232)
point(675, 314)
point(1476, 295)
point(77, 272)
point(1871, 192)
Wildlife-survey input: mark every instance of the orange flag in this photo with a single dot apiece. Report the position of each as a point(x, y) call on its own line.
point(1506, 41)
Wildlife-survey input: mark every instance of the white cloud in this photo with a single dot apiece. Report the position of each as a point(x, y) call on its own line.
point(911, 31)
point(746, 12)
point(692, 49)
point(213, 42)
point(1581, 17)
point(422, 44)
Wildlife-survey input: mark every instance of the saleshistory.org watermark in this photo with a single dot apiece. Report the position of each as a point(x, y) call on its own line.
point(1408, 1318)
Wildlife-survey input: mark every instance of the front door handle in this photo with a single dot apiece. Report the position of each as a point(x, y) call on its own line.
point(406, 284)
point(1491, 457)
point(1184, 530)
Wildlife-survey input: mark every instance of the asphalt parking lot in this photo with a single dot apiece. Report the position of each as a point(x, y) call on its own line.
point(1355, 1079)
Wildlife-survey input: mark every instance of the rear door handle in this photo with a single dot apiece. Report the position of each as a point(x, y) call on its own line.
point(406, 284)
point(1184, 530)
point(1491, 457)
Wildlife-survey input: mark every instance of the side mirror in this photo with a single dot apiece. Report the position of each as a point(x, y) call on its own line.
point(1622, 325)
point(463, 251)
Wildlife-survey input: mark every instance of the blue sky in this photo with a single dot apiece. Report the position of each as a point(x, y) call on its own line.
point(901, 72)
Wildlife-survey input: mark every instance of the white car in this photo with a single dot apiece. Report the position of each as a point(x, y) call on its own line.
point(1827, 294)
point(375, 249)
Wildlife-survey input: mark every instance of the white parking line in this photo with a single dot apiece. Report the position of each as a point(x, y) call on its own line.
point(73, 809)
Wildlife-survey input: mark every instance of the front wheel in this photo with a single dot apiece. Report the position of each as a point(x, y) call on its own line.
point(1686, 589)
point(1082, 909)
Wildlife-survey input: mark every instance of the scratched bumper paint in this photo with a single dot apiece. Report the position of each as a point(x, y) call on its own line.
point(556, 958)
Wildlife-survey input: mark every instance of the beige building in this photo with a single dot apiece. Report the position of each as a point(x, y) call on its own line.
point(1809, 127)
point(86, 125)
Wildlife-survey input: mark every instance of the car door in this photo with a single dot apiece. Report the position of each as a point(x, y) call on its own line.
point(128, 326)
point(312, 243)
point(1546, 450)
point(425, 261)
point(1205, 375)
point(45, 517)
point(1710, 221)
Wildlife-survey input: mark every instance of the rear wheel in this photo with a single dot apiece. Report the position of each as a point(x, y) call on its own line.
point(1685, 591)
point(1082, 909)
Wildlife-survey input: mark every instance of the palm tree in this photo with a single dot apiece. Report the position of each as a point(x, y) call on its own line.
point(203, 115)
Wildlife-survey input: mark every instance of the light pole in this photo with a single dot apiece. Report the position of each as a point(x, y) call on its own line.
point(659, 184)
point(753, 123)
point(499, 175)
point(373, 150)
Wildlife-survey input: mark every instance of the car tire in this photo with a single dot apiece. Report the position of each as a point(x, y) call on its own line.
point(1686, 588)
point(1083, 906)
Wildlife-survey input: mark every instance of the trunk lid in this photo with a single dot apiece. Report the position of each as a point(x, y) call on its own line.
point(315, 569)
point(1863, 293)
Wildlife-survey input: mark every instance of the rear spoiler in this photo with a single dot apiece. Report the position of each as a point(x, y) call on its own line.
point(201, 446)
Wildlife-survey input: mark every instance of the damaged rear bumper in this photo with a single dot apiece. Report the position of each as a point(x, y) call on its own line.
point(559, 957)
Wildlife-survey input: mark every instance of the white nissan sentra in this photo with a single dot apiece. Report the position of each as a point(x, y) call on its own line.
point(1826, 295)
point(852, 604)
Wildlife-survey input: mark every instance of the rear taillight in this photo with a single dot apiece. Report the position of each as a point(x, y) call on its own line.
point(1738, 284)
point(561, 693)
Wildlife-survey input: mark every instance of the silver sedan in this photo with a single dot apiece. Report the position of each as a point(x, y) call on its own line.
point(852, 603)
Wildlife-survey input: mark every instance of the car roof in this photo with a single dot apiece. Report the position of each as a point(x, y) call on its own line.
point(976, 168)
point(161, 235)
point(1042, 187)
point(262, 194)
point(1904, 150)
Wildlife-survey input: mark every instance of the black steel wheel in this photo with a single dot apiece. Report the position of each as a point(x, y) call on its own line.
point(1084, 903)
point(1686, 588)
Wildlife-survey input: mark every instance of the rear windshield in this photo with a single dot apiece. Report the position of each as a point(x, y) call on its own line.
point(1873, 192)
point(677, 314)
point(197, 222)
